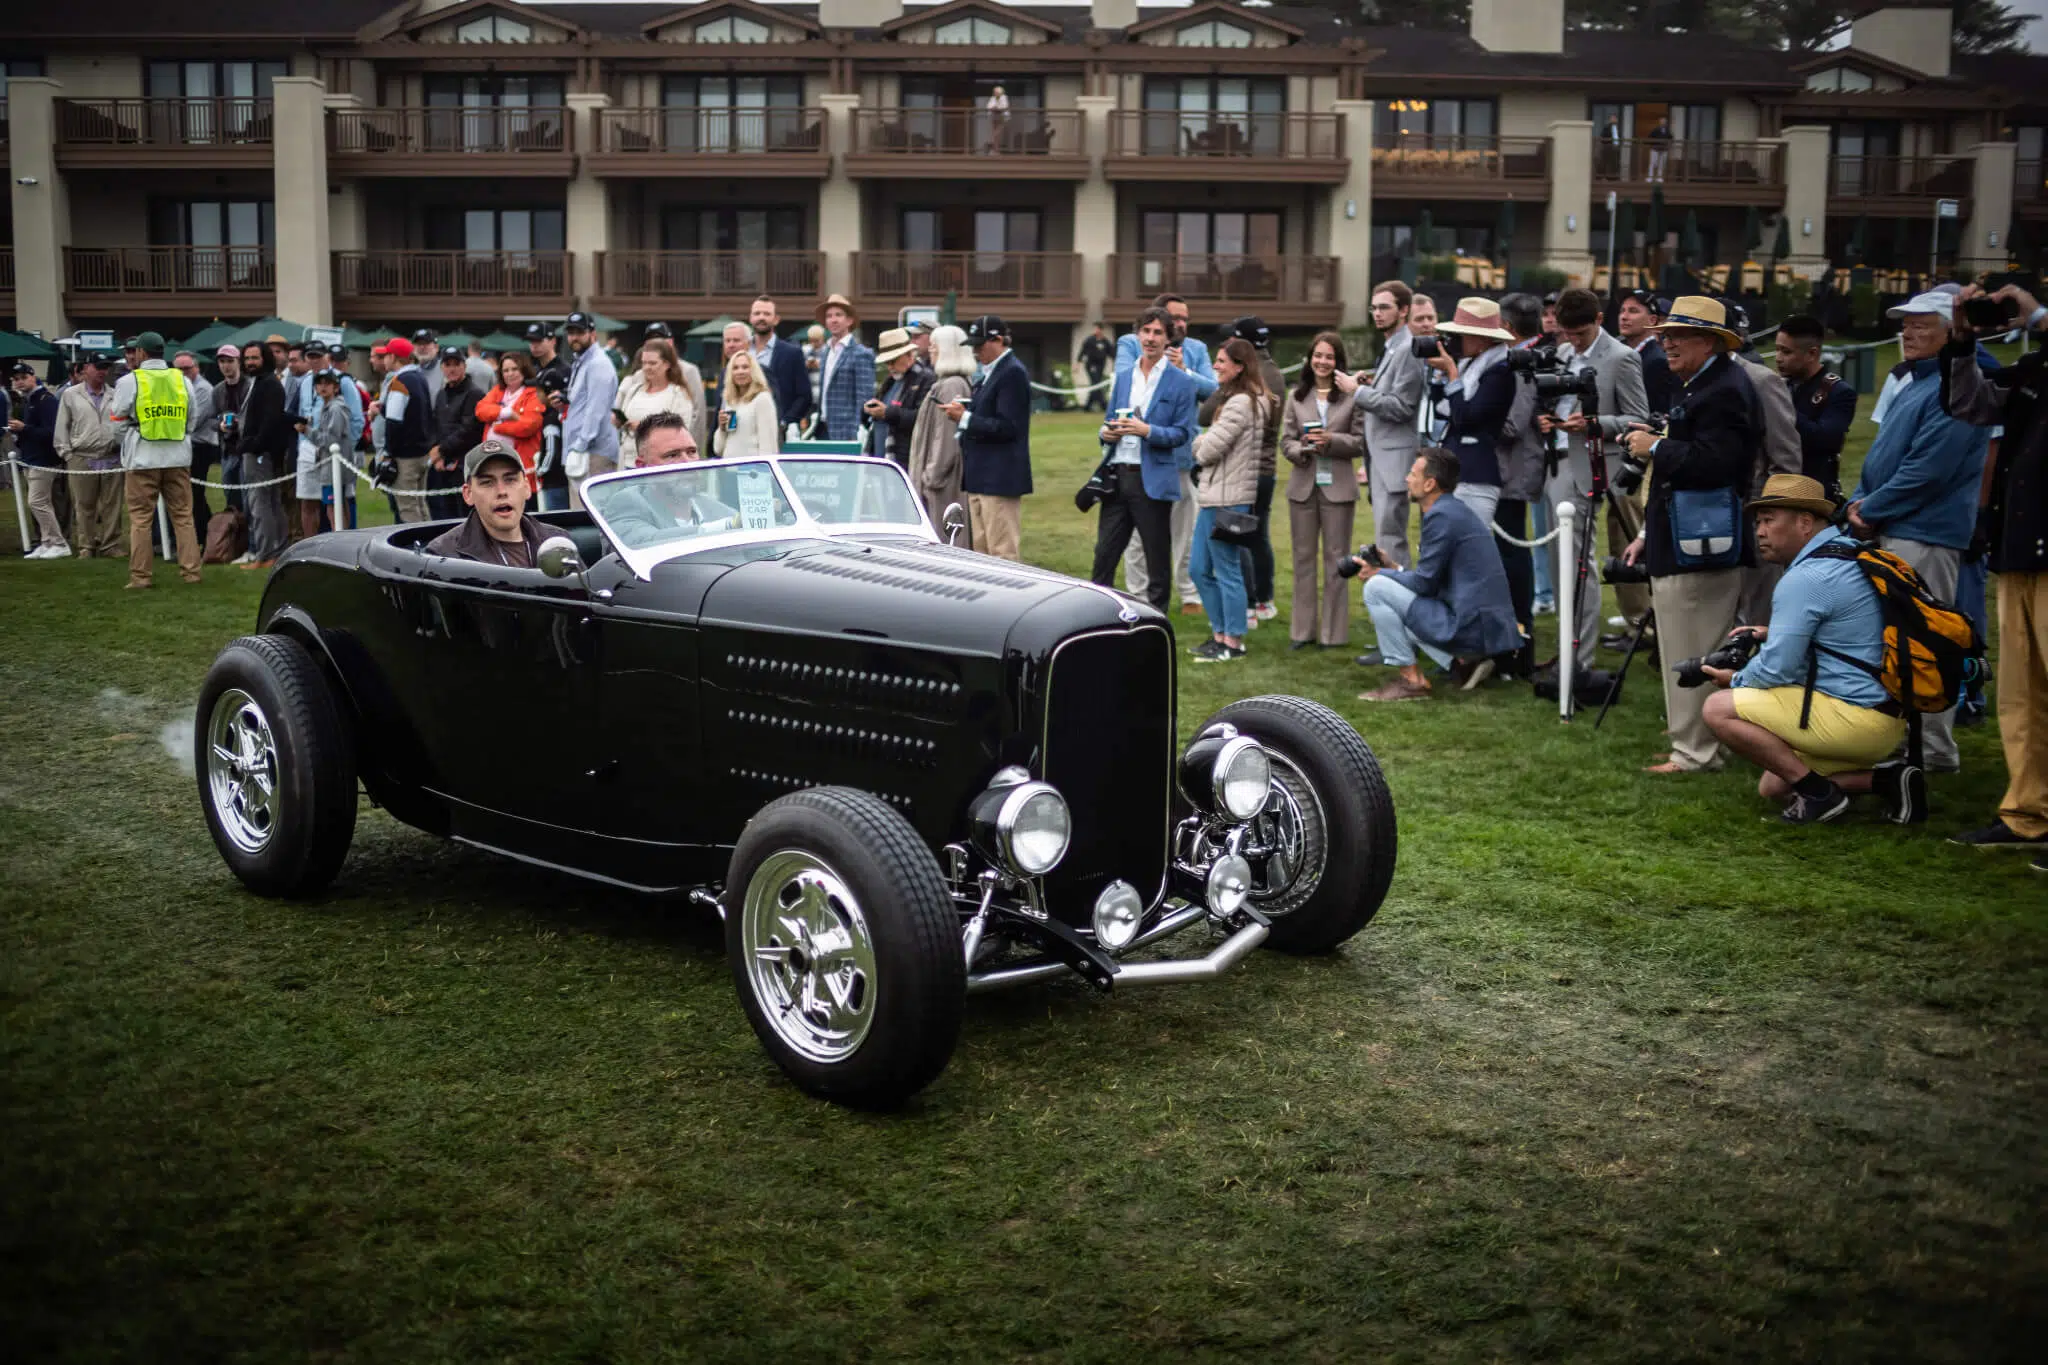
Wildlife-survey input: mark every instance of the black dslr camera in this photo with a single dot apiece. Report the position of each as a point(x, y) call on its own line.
point(1371, 554)
point(1614, 569)
point(1426, 348)
point(1629, 477)
point(1740, 649)
point(1553, 380)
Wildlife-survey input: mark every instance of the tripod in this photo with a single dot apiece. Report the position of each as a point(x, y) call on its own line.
point(1635, 641)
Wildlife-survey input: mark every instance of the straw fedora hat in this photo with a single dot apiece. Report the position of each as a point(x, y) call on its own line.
point(838, 301)
point(1794, 491)
point(1696, 314)
point(1477, 317)
point(893, 343)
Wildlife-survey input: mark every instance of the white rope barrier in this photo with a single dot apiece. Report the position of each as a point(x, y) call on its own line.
point(1110, 382)
point(196, 483)
point(1536, 544)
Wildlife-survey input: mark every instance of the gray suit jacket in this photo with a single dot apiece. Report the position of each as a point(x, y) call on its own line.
point(1386, 408)
point(1781, 452)
point(1623, 400)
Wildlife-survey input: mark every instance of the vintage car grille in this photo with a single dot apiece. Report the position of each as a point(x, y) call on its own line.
point(1109, 749)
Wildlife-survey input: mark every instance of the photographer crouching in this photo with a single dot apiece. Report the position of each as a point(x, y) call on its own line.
point(1809, 708)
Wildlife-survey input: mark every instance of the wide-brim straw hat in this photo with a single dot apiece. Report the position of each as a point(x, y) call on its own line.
point(893, 344)
point(1796, 492)
point(1477, 317)
point(1696, 314)
point(837, 301)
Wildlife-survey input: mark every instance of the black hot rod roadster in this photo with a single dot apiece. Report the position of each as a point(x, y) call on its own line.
point(900, 771)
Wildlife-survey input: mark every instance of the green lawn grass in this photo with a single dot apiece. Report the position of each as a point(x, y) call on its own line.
point(1622, 1071)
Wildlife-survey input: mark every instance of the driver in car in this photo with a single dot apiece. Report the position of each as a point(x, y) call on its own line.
point(497, 529)
point(653, 511)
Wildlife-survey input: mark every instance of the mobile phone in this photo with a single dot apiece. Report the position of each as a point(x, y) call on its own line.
point(1987, 314)
point(732, 419)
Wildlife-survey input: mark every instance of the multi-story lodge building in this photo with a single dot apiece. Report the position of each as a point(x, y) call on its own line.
point(439, 161)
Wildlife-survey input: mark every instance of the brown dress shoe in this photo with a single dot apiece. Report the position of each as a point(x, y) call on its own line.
point(1398, 689)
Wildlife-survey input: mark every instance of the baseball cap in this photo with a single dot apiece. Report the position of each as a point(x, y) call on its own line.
point(22, 367)
point(313, 348)
point(105, 360)
point(539, 331)
point(424, 336)
point(986, 328)
point(397, 346)
point(328, 376)
point(453, 356)
point(1933, 302)
point(659, 329)
point(145, 341)
point(578, 322)
point(492, 448)
point(1251, 328)
point(226, 350)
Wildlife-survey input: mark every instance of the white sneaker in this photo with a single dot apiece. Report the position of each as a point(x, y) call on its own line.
point(1265, 611)
point(246, 557)
point(52, 552)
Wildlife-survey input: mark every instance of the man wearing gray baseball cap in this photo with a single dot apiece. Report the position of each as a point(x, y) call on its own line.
point(497, 529)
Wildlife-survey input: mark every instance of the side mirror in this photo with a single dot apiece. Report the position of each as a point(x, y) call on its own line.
point(558, 558)
point(955, 521)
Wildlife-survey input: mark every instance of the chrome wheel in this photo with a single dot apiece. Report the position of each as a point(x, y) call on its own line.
point(810, 958)
point(1295, 829)
point(241, 770)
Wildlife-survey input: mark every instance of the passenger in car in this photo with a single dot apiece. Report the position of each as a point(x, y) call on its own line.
point(497, 529)
point(655, 511)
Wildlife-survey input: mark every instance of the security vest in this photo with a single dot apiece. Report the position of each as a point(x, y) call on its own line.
point(161, 404)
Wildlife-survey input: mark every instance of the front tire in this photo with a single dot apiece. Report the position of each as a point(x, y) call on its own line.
point(845, 947)
point(276, 766)
point(1331, 811)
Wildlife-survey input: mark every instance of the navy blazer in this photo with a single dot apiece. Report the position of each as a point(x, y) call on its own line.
point(995, 445)
point(1477, 420)
point(1461, 590)
point(1170, 447)
point(1717, 424)
point(790, 380)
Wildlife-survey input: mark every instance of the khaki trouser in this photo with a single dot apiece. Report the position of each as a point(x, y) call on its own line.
point(997, 525)
point(1138, 574)
point(1330, 522)
point(1624, 524)
point(2023, 700)
point(1695, 612)
point(43, 507)
point(1939, 568)
point(143, 488)
point(412, 480)
point(95, 509)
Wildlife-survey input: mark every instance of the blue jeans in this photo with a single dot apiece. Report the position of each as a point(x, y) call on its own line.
point(551, 499)
point(1540, 517)
point(1218, 571)
point(1387, 602)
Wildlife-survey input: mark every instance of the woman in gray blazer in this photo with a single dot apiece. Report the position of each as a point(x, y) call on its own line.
point(1319, 437)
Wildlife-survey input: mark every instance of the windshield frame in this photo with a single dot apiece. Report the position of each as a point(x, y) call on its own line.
point(642, 561)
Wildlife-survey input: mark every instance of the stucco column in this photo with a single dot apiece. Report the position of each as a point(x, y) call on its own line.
point(587, 228)
point(1568, 224)
point(1094, 223)
point(347, 224)
point(839, 228)
point(1807, 171)
point(1350, 213)
point(1984, 245)
point(42, 211)
point(305, 261)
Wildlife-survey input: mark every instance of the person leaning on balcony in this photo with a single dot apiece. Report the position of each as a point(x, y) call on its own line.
point(1319, 436)
point(1386, 406)
point(747, 424)
point(995, 440)
point(656, 386)
point(590, 444)
point(1660, 150)
point(935, 467)
point(90, 446)
point(156, 408)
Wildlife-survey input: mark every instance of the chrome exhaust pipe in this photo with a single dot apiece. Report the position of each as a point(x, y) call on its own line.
point(1225, 956)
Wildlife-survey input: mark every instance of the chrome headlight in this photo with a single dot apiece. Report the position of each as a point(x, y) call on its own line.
point(1230, 884)
point(1225, 773)
point(1021, 825)
point(1119, 910)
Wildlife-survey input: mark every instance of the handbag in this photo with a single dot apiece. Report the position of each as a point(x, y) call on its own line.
point(1101, 485)
point(1706, 527)
point(1233, 527)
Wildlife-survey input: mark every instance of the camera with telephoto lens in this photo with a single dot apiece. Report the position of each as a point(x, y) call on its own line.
point(1628, 477)
point(1371, 554)
point(1614, 569)
point(1426, 348)
point(1553, 379)
point(1739, 650)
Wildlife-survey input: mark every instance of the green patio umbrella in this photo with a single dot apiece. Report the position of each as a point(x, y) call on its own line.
point(607, 324)
point(208, 339)
point(262, 328)
point(714, 328)
point(949, 309)
point(1782, 248)
point(458, 337)
point(362, 339)
point(16, 346)
point(1858, 237)
point(1902, 240)
point(1425, 232)
point(1752, 233)
point(2019, 248)
point(1689, 238)
point(1625, 227)
point(1653, 231)
point(1504, 231)
point(501, 342)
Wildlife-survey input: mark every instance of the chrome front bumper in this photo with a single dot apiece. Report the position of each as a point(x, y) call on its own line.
point(1222, 958)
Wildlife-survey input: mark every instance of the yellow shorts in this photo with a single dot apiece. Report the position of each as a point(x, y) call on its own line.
point(1838, 738)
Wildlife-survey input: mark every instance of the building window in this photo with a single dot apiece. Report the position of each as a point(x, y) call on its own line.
point(687, 228)
point(988, 231)
point(1442, 121)
point(1211, 115)
point(213, 80)
point(1837, 78)
point(494, 28)
point(451, 228)
point(494, 113)
point(733, 28)
point(973, 31)
point(731, 113)
point(227, 240)
point(1214, 33)
point(1211, 233)
point(1863, 153)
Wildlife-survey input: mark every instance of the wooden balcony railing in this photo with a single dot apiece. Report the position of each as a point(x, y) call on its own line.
point(539, 275)
point(99, 123)
point(168, 270)
point(2030, 182)
point(1271, 136)
point(1455, 156)
point(1054, 133)
point(709, 274)
point(1901, 177)
point(711, 132)
point(446, 130)
point(1636, 161)
point(1225, 279)
point(976, 277)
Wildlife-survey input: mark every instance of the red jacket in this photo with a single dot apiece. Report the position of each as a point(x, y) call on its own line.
point(520, 424)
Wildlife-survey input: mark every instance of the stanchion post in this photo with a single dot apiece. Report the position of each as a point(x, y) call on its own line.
point(340, 493)
point(1567, 604)
point(20, 503)
point(163, 527)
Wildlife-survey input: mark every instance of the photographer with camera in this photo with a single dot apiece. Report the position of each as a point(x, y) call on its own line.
point(1453, 605)
point(1917, 493)
point(2013, 517)
point(1574, 426)
point(1479, 394)
point(1696, 540)
point(1809, 708)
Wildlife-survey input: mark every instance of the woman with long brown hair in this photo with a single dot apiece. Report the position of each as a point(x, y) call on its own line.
point(1227, 454)
point(1319, 437)
point(657, 386)
point(515, 410)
